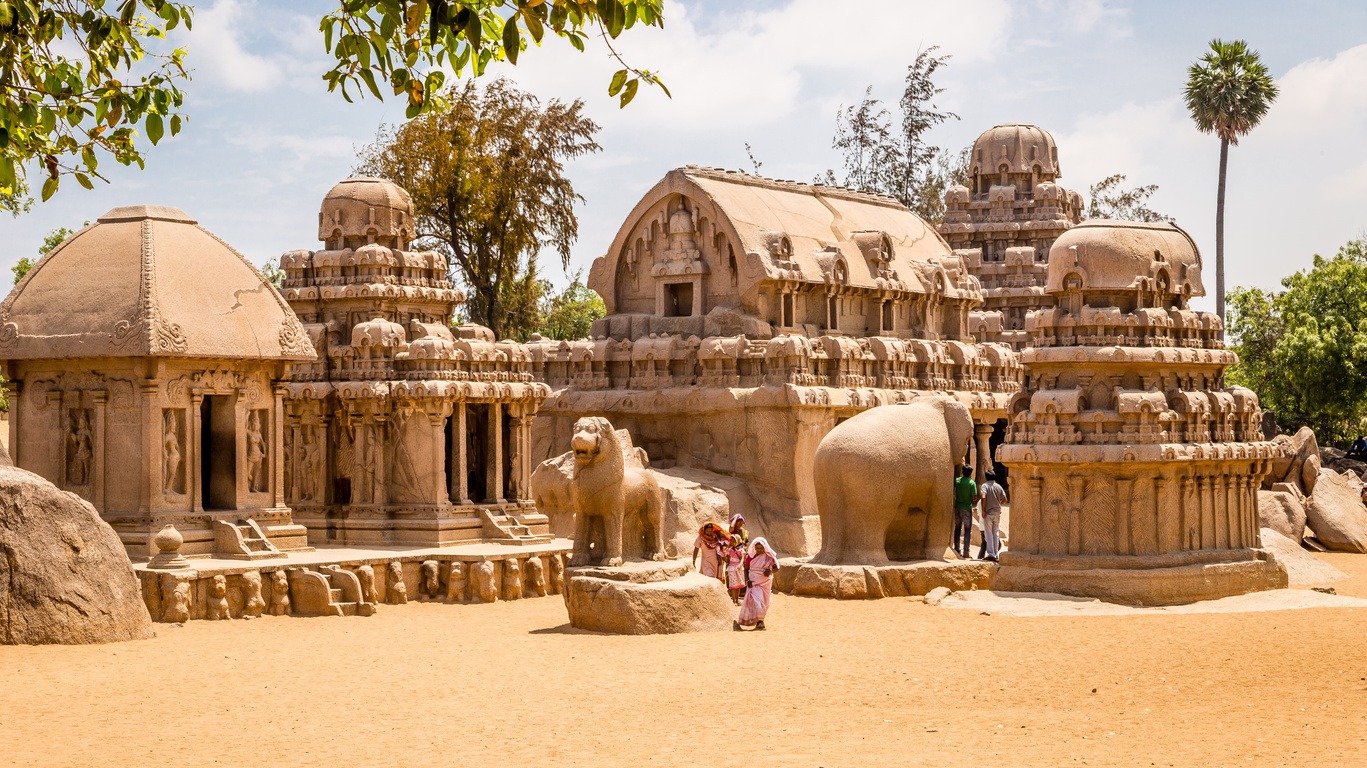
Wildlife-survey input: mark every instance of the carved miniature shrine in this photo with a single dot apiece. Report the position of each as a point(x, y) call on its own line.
point(144, 361)
point(1004, 223)
point(1136, 472)
point(404, 431)
point(748, 316)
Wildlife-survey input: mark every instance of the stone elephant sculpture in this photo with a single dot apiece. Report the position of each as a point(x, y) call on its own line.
point(885, 482)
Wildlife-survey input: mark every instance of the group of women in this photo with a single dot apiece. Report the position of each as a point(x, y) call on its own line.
point(746, 567)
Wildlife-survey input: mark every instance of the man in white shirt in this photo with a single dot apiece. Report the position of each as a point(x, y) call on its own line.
point(993, 497)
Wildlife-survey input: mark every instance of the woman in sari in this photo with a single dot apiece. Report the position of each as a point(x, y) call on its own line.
point(738, 529)
point(759, 577)
point(709, 539)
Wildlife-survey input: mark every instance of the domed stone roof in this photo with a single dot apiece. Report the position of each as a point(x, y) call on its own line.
point(1019, 146)
point(366, 209)
point(147, 281)
point(1110, 255)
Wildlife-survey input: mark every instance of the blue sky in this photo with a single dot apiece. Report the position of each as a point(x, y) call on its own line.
point(265, 140)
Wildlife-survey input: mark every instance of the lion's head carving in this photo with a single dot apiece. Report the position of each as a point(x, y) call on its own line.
point(592, 435)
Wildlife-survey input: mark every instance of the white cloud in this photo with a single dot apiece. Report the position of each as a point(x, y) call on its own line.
point(217, 49)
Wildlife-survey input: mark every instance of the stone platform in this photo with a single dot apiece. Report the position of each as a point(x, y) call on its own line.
point(337, 581)
point(646, 598)
point(1175, 579)
point(867, 582)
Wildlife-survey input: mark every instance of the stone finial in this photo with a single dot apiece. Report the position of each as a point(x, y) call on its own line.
point(168, 557)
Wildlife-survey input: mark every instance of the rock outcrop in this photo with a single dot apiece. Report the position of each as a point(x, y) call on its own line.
point(1336, 513)
point(1299, 464)
point(1302, 567)
point(1283, 510)
point(64, 576)
point(642, 600)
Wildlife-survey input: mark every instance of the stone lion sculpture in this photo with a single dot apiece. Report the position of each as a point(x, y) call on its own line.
point(618, 509)
point(885, 482)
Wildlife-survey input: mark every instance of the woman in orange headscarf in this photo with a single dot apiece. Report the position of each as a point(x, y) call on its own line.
point(709, 537)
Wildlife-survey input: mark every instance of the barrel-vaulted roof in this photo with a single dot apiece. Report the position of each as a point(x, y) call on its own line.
point(800, 232)
point(147, 281)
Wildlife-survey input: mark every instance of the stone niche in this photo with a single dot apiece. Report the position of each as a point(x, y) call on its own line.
point(748, 316)
point(144, 358)
point(1135, 470)
point(405, 431)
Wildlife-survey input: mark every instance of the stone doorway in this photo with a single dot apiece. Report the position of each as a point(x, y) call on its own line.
point(218, 453)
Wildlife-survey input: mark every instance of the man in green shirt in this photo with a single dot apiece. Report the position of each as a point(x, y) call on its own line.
point(965, 496)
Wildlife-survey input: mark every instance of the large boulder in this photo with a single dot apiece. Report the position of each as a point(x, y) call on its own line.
point(1302, 567)
point(1338, 461)
point(1299, 463)
point(696, 496)
point(1336, 513)
point(1283, 510)
point(639, 600)
point(64, 575)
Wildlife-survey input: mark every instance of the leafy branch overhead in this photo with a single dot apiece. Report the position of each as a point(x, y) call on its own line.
point(79, 77)
point(405, 44)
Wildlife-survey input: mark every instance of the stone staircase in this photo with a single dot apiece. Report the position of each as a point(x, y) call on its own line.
point(243, 540)
point(503, 528)
point(329, 591)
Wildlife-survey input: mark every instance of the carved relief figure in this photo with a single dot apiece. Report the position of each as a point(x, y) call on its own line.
point(280, 593)
point(455, 582)
point(404, 482)
point(483, 575)
point(512, 579)
point(171, 454)
point(429, 584)
point(256, 454)
point(218, 599)
point(178, 602)
point(396, 592)
point(78, 466)
point(535, 579)
point(557, 577)
point(605, 490)
point(366, 575)
point(252, 603)
point(312, 467)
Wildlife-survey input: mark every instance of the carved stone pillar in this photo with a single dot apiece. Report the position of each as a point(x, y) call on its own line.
point(379, 489)
point(276, 449)
point(14, 391)
point(494, 468)
point(193, 461)
point(98, 444)
point(242, 484)
point(982, 438)
point(151, 490)
point(438, 489)
point(462, 468)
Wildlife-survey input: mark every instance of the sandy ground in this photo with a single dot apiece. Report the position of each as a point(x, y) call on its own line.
point(891, 682)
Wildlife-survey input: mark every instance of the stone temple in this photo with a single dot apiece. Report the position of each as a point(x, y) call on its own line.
point(748, 316)
point(1136, 473)
point(145, 361)
point(1004, 223)
point(405, 431)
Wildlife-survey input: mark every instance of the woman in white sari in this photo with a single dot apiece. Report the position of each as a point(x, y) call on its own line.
point(759, 578)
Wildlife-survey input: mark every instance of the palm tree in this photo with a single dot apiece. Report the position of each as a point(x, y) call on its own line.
point(1228, 91)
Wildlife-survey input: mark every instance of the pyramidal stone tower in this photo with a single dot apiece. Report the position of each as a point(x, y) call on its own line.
point(1134, 472)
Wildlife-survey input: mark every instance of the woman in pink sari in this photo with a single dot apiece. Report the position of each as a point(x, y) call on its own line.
point(709, 538)
point(759, 576)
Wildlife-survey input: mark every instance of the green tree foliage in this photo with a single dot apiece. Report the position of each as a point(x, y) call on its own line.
point(570, 314)
point(1109, 200)
point(77, 80)
point(896, 160)
point(404, 45)
point(487, 176)
point(273, 274)
point(50, 241)
point(1228, 92)
point(1304, 349)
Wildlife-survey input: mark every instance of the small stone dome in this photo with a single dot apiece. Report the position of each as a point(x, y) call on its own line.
point(1110, 255)
point(1020, 147)
point(957, 194)
point(366, 210)
point(144, 281)
point(378, 332)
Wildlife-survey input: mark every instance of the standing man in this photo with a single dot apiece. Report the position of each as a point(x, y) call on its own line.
point(965, 496)
point(993, 496)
